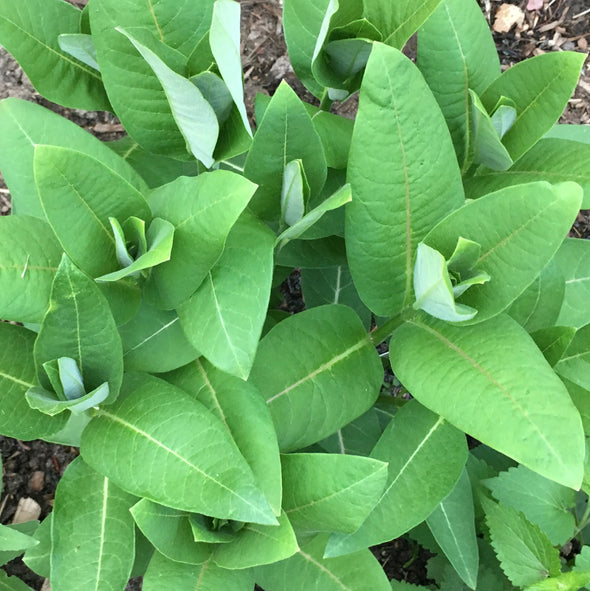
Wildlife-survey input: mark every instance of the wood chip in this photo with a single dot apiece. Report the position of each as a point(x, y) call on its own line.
point(26, 510)
point(46, 586)
point(583, 44)
point(37, 480)
point(507, 16)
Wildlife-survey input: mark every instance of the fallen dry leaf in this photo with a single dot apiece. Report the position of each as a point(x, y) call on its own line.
point(26, 510)
point(534, 5)
point(507, 16)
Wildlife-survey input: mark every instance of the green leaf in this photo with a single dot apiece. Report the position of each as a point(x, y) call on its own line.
point(257, 544)
point(243, 411)
point(29, 257)
point(524, 551)
point(305, 392)
point(185, 577)
point(553, 341)
point(308, 570)
point(540, 88)
point(313, 254)
point(398, 21)
point(170, 532)
point(581, 398)
point(124, 298)
point(216, 93)
point(357, 438)
point(575, 133)
point(47, 403)
point(203, 210)
point(203, 532)
point(224, 39)
point(194, 116)
point(426, 456)
point(12, 583)
point(224, 318)
point(543, 502)
point(571, 581)
point(285, 133)
point(573, 259)
point(134, 89)
point(92, 536)
point(515, 248)
point(553, 160)
point(330, 492)
point(33, 41)
point(157, 424)
point(11, 539)
point(23, 125)
point(37, 558)
point(393, 207)
point(498, 360)
point(79, 324)
point(78, 208)
point(459, 29)
point(80, 46)
point(294, 193)
point(452, 525)
point(302, 21)
point(539, 304)
point(575, 362)
point(153, 341)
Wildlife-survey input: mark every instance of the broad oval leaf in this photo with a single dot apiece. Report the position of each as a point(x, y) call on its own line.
point(34, 43)
point(301, 377)
point(154, 423)
point(426, 456)
point(203, 210)
point(93, 535)
point(540, 88)
point(23, 125)
point(224, 318)
point(78, 208)
point(29, 257)
point(458, 371)
point(330, 492)
point(79, 325)
point(402, 182)
point(514, 248)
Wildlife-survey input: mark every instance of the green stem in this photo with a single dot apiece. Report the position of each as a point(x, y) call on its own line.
point(326, 101)
point(382, 332)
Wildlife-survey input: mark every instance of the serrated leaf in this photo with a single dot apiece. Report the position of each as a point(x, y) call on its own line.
point(498, 360)
point(330, 492)
point(224, 318)
point(304, 393)
point(393, 207)
point(420, 475)
point(154, 422)
point(203, 210)
point(524, 551)
point(92, 536)
point(34, 43)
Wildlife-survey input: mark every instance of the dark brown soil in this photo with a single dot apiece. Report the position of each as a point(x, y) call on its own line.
point(32, 469)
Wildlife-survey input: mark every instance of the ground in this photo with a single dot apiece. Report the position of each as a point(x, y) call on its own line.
point(32, 469)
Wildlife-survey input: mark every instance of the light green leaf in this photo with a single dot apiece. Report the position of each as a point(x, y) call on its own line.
point(285, 133)
point(426, 456)
point(78, 208)
point(515, 248)
point(305, 393)
point(203, 209)
point(185, 577)
point(193, 115)
point(79, 324)
point(33, 41)
point(573, 259)
point(23, 125)
point(498, 360)
point(524, 551)
point(257, 544)
point(124, 298)
point(47, 403)
point(574, 365)
point(393, 207)
point(398, 21)
point(224, 318)
point(540, 88)
point(452, 525)
point(11, 539)
point(570, 581)
point(308, 570)
point(29, 257)
point(156, 423)
point(575, 133)
point(153, 341)
point(553, 160)
point(170, 532)
point(92, 536)
point(12, 583)
point(294, 193)
point(543, 502)
point(203, 532)
point(459, 29)
point(80, 46)
point(37, 558)
point(330, 492)
point(224, 39)
point(134, 89)
point(581, 398)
